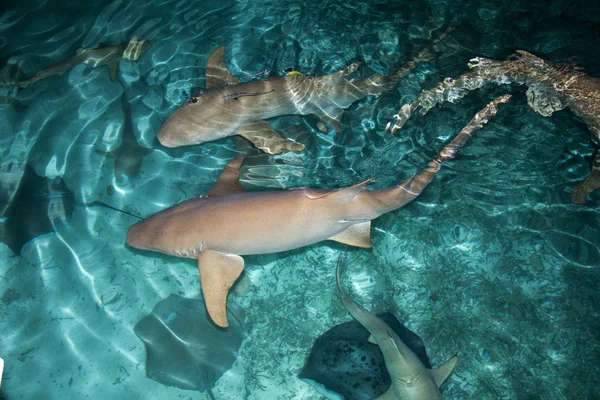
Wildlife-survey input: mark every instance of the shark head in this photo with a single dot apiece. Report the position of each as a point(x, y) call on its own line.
point(204, 117)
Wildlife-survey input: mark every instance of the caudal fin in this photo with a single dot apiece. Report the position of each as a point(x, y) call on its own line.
point(425, 54)
point(397, 196)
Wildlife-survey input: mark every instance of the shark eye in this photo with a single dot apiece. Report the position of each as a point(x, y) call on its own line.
point(193, 100)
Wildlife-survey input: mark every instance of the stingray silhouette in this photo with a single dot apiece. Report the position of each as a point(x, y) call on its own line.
point(184, 348)
point(343, 363)
point(30, 205)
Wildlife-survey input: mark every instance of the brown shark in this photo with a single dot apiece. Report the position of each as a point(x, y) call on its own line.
point(230, 222)
point(550, 87)
point(93, 58)
point(228, 107)
point(411, 380)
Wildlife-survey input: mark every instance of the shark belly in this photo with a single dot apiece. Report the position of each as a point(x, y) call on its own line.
point(242, 224)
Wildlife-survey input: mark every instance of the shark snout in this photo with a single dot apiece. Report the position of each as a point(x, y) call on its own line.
point(167, 137)
point(166, 141)
point(134, 235)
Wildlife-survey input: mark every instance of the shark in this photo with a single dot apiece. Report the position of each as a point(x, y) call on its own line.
point(411, 380)
point(229, 107)
point(230, 222)
point(1, 369)
point(108, 55)
point(551, 87)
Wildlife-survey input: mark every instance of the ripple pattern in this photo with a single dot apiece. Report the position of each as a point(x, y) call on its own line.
point(491, 262)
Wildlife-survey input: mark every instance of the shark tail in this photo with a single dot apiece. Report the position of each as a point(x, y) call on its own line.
point(354, 309)
point(14, 83)
point(395, 197)
point(21, 84)
point(589, 184)
point(427, 53)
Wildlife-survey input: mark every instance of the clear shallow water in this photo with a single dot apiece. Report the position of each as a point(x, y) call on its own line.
point(492, 262)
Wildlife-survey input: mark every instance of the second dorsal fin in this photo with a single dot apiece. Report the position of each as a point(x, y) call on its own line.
point(217, 74)
point(228, 182)
point(343, 194)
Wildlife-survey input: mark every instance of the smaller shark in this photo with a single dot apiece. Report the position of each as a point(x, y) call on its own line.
point(228, 107)
point(218, 229)
point(108, 55)
point(411, 380)
point(129, 155)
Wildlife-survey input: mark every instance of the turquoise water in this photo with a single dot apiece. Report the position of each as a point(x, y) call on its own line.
point(492, 262)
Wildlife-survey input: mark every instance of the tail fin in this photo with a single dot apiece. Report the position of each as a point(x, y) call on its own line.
point(377, 84)
point(427, 53)
point(15, 83)
point(397, 196)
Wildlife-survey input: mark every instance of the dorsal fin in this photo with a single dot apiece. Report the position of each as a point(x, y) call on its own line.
point(217, 74)
point(442, 373)
point(228, 182)
point(112, 66)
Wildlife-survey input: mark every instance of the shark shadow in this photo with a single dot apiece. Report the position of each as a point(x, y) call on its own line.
point(108, 55)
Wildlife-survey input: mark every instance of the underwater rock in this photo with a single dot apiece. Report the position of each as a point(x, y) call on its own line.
point(183, 347)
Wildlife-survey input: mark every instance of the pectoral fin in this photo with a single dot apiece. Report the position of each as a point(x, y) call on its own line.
point(442, 373)
point(217, 74)
point(218, 272)
point(358, 235)
point(228, 181)
point(262, 135)
point(113, 70)
point(331, 115)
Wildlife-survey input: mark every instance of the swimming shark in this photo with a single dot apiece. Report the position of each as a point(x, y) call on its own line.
point(411, 380)
point(229, 107)
point(230, 222)
point(108, 55)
